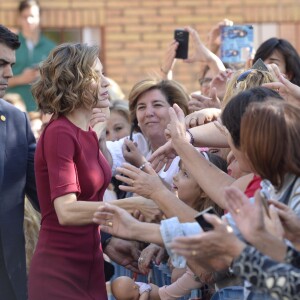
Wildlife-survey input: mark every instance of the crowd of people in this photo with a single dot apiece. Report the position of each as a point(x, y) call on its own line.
point(89, 178)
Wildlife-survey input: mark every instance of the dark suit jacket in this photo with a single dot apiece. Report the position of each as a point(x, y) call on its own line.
point(17, 147)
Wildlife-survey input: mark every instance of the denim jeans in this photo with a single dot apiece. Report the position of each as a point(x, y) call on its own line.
point(229, 293)
point(259, 296)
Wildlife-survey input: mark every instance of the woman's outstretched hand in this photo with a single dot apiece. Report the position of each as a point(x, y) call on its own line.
point(163, 157)
point(169, 60)
point(176, 130)
point(142, 183)
point(289, 91)
point(115, 220)
point(212, 249)
point(251, 217)
point(132, 154)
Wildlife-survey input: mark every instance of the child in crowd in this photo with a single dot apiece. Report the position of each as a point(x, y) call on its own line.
point(126, 288)
point(118, 125)
point(187, 189)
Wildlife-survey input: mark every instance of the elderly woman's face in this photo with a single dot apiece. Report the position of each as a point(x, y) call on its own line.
point(152, 112)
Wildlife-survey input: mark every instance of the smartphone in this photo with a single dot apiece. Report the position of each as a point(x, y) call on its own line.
point(132, 128)
point(202, 222)
point(236, 43)
point(182, 37)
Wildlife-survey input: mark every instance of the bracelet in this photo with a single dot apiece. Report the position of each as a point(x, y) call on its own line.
point(192, 140)
point(163, 71)
point(144, 165)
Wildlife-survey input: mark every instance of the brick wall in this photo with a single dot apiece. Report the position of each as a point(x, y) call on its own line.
point(138, 31)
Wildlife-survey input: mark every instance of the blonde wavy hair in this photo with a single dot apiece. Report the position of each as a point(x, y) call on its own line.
point(253, 79)
point(66, 79)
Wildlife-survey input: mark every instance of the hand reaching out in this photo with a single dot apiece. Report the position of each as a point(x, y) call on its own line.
point(148, 255)
point(214, 36)
point(98, 121)
point(289, 91)
point(202, 116)
point(163, 156)
point(202, 53)
point(169, 58)
point(174, 132)
point(219, 83)
point(176, 127)
point(124, 253)
point(138, 181)
point(132, 154)
point(212, 249)
point(115, 221)
point(250, 216)
point(98, 116)
point(290, 222)
point(199, 102)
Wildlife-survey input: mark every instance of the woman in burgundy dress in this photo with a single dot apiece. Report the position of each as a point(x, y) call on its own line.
point(71, 176)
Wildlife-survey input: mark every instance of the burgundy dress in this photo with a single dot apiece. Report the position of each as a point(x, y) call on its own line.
point(68, 261)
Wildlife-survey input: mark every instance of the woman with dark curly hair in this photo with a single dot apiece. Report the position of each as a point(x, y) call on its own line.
point(71, 177)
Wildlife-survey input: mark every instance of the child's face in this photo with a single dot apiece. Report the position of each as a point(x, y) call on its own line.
point(186, 186)
point(117, 126)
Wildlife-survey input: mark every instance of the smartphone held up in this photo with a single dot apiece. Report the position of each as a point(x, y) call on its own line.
point(206, 226)
point(182, 37)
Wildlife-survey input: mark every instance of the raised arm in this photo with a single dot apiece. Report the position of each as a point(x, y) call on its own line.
point(211, 179)
point(151, 186)
point(203, 133)
point(203, 54)
point(120, 223)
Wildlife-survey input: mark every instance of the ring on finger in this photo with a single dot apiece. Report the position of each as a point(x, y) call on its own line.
point(194, 252)
point(140, 260)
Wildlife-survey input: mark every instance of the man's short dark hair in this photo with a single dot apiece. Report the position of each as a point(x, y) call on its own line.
point(27, 4)
point(8, 38)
